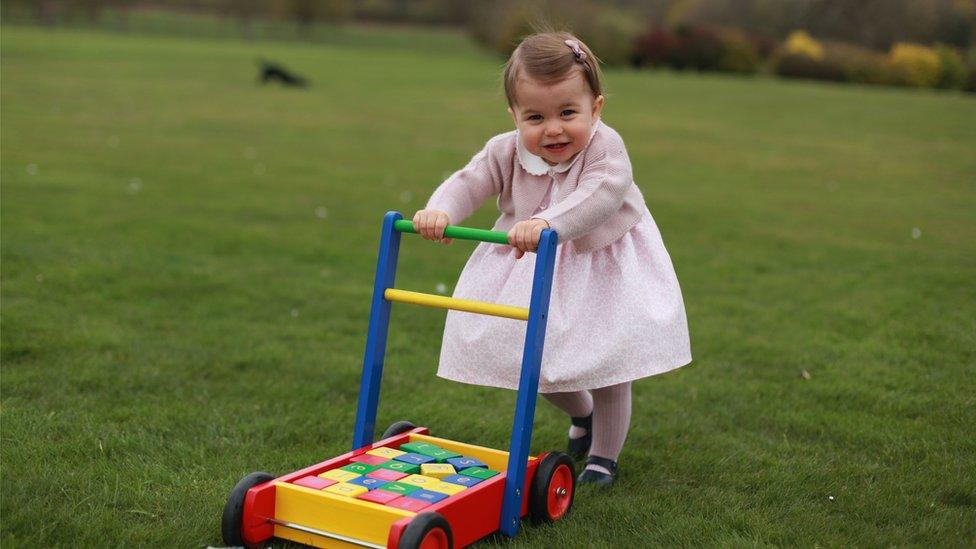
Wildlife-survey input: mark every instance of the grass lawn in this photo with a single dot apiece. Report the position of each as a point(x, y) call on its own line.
point(187, 264)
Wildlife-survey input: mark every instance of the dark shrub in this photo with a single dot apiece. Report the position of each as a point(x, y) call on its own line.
point(970, 84)
point(764, 45)
point(739, 54)
point(652, 48)
point(858, 64)
point(698, 48)
point(952, 69)
point(801, 66)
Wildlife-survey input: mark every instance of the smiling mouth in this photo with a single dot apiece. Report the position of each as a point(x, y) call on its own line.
point(556, 147)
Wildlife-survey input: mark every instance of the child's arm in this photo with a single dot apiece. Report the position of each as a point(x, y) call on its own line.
point(602, 186)
point(466, 190)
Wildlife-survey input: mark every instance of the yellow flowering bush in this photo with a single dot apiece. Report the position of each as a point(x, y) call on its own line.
point(801, 43)
point(914, 65)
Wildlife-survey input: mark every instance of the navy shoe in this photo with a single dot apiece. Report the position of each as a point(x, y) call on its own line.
point(578, 447)
point(598, 478)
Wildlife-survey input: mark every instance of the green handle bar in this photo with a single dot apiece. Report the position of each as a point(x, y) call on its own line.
point(461, 233)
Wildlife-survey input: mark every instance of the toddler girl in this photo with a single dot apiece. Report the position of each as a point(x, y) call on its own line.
point(616, 313)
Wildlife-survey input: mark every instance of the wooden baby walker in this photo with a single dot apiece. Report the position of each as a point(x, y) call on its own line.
point(409, 489)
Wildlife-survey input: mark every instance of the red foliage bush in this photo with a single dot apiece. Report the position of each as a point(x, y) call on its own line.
point(698, 48)
point(652, 48)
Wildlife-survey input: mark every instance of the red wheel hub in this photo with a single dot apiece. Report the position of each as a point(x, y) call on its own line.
point(435, 539)
point(560, 492)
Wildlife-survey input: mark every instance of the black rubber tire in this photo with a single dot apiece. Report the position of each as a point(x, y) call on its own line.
point(420, 526)
point(396, 429)
point(233, 518)
point(539, 490)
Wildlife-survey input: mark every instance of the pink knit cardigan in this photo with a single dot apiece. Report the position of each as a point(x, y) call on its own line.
point(594, 201)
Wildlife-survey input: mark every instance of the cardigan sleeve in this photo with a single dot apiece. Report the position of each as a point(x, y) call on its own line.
point(602, 186)
point(461, 194)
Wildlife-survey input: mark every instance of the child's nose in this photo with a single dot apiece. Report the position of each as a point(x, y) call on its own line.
point(554, 129)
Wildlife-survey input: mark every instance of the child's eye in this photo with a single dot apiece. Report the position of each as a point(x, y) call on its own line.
point(534, 117)
point(568, 112)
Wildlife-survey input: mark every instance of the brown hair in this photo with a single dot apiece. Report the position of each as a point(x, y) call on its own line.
point(546, 57)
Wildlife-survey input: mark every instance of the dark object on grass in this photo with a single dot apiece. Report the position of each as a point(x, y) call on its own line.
point(273, 72)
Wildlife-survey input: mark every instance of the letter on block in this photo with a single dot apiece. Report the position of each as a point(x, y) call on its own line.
point(339, 475)
point(420, 480)
point(345, 489)
point(384, 452)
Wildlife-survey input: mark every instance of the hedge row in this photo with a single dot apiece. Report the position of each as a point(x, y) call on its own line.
point(801, 56)
point(620, 37)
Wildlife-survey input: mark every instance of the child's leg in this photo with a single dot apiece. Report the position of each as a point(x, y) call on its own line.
point(611, 421)
point(576, 404)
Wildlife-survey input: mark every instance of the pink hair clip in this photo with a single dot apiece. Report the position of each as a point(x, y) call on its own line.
point(577, 51)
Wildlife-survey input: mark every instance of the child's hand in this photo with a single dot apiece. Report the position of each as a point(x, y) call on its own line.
point(430, 224)
point(524, 236)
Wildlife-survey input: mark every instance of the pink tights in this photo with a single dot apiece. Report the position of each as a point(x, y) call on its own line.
point(611, 417)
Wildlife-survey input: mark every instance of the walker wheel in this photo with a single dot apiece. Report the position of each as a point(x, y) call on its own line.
point(396, 429)
point(553, 486)
point(232, 520)
point(427, 531)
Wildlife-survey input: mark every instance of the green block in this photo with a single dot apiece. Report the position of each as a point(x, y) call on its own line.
point(359, 468)
point(444, 455)
point(429, 450)
point(400, 466)
point(418, 447)
point(399, 488)
point(478, 472)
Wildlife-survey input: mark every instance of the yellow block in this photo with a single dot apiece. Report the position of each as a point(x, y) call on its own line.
point(388, 453)
point(351, 517)
point(420, 480)
point(469, 305)
point(346, 489)
point(437, 470)
point(447, 488)
point(339, 475)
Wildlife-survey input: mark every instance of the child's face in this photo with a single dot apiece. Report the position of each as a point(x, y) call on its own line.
point(555, 118)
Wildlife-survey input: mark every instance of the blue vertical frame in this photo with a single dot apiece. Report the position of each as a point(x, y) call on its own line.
point(535, 336)
point(379, 327)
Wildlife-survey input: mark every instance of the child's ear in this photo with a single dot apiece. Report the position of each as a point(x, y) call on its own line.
point(514, 118)
point(597, 106)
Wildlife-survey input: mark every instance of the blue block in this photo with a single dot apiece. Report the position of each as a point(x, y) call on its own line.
point(367, 482)
point(427, 495)
point(465, 462)
point(462, 480)
point(415, 459)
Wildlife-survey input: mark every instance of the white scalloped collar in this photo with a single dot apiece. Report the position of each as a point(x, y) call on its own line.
point(535, 165)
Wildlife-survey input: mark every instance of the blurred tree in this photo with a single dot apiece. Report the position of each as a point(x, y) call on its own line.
point(245, 11)
point(306, 13)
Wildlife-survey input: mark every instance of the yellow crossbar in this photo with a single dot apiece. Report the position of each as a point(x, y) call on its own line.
point(471, 306)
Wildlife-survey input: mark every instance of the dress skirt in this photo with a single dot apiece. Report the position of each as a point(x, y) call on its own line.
point(615, 315)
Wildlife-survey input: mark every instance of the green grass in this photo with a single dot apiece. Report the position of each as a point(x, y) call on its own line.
point(187, 261)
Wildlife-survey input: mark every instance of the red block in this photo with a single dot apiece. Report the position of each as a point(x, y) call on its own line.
point(410, 504)
point(379, 496)
point(387, 475)
point(368, 459)
point(313, 482)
